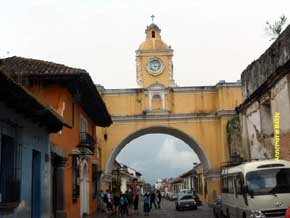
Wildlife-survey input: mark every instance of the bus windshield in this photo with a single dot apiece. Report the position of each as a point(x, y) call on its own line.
point(269, 181)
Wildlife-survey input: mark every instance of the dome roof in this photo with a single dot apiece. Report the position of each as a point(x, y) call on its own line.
point(152, 43)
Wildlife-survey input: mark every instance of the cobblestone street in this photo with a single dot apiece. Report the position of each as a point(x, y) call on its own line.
point(167, 211)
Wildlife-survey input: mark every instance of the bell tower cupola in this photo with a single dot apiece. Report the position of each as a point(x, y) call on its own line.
point(154, 60)
point(153, 32)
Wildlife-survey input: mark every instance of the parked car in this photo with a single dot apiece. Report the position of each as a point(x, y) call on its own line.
point(197, 199)
point(184, 191)
point(185, 202)
point(173, 197)
point(217, 208)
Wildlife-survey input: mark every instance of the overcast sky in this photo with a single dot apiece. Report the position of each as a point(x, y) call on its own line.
point(212, 40)
point(158, 156)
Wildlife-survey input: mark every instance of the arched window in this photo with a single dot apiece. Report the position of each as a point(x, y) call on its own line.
point(156, 97)
point(156, 102)
point(153, 34)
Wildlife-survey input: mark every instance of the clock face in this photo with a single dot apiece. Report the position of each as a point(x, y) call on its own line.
point(155, 66)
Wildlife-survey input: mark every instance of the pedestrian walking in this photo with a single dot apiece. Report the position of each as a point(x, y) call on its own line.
point(116, 202)
point(158, 198)
point(152, 199)
point(128, 195)
point(123, 204)
point(135, 194)
point(146, 205)
point(109, 200)
point(136, 202)
point(102, 201)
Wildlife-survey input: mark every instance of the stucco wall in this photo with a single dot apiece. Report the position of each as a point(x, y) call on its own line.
point(245, 141)
point(257, 133)
point(280, 102)
point(258, 71)
point(149, 79)
point(180, 100)
point(61, 100)
point(30, 137)
point(194, 111)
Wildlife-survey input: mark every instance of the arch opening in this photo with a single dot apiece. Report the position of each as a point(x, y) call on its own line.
point(161, 130)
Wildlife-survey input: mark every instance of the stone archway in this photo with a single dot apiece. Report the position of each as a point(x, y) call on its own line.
point(161, 130)
point(84, 186)
point(197, 115)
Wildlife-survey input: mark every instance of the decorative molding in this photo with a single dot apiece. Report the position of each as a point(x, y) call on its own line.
point(151, 116)
point(123, 91)
point(170, 71)
point(188, 89)
point(139, 72)
point(139, 51)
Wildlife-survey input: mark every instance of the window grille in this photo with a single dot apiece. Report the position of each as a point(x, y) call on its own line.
point(76, 177)
point(10, 172)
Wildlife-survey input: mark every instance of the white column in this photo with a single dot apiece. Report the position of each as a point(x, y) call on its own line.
point(163, 101)
point(150, 101)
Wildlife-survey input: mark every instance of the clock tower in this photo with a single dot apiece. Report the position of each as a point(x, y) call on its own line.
point(154, 60)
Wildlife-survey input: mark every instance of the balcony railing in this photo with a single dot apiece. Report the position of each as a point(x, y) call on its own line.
point(87, 141)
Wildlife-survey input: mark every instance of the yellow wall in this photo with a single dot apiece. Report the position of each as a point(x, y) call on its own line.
point(149, 79)
point(127, 104)
point(208, 132)
point(199, 112)
point(222, 98)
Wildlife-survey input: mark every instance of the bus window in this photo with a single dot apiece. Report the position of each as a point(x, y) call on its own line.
point(270, 181)
point(239, 183)
point(225, 188)
point(231, 184)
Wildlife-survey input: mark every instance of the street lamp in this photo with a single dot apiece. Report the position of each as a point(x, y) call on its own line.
point(116, 180)
point(193, 177)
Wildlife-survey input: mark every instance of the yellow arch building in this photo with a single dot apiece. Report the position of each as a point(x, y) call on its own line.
point(196, 115)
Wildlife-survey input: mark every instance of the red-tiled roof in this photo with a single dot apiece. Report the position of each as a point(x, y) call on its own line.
point(28, 67)
point(13, 95)
point(77, 81)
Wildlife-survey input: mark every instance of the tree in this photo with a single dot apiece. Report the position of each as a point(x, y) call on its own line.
point(275, 29)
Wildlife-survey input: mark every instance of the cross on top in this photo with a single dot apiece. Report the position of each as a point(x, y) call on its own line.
point(152, 17)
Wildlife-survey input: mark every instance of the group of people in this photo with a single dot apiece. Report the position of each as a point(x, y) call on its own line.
point(151, 199)
point(119, 203)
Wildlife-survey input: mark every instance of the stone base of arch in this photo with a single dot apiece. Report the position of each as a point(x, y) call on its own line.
point(213, 186)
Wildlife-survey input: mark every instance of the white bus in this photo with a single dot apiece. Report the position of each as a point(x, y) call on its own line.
point(256, 189)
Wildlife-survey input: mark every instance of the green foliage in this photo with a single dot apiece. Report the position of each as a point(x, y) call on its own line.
point(275, 29)
point(233, 128)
